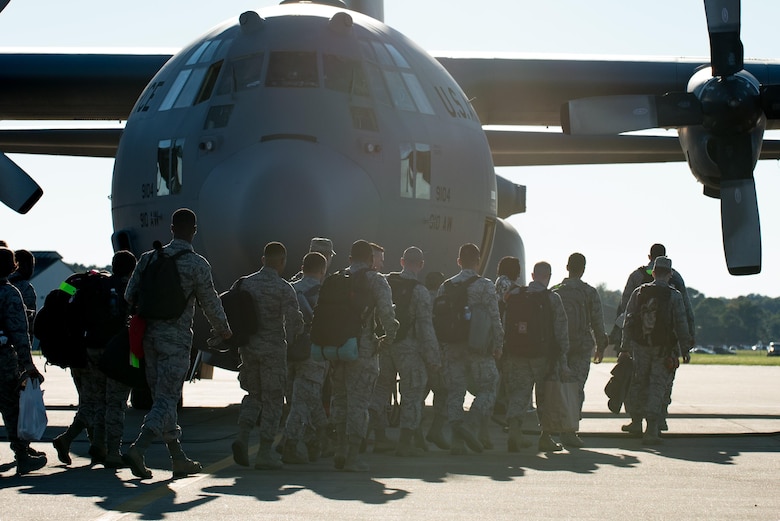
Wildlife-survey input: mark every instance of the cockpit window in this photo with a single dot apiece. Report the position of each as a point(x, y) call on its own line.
point(382, 54)
point(344, 75)
point(389, 70)
point(418, 94)
point(292, 69)
point(204, 53)
point(195, 83)
point(169, 166)
point(398, 91)
point(191, 87)
point(178, 85)
point(399, 60)
point(243, 73)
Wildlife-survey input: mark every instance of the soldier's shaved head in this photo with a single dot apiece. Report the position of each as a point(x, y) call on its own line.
point(7, 262)
point(468, 256)
point(361, 251)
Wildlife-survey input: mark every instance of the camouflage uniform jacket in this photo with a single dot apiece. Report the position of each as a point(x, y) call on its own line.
point(196, 281)
point(640, 275)
point(503, 285)
point(595, 316)
point(560, 322)
point(421, 337)
point(482, 293)
point(679, 318)
point(13, 324)
point(28, 293)
point(301, 286)
point(380, 307)
point(277, 309)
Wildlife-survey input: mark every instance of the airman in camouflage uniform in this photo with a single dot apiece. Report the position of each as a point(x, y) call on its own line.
point(417, 355)
point(522, 373)
point(263, 369)
point(653, 364)
point(15, 362)
point(21, 279)
point(589, 341)
point(167, 345)
point(353, 381)
point(102, 400)
point(643, 275)
point(386, 380)
point(306, 409)
point(465, 368)
point(436, 385)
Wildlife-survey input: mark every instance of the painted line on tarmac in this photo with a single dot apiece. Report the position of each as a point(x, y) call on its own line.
point(136, 504)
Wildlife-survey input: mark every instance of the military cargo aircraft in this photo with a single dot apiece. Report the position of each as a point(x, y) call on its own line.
point(370, 137)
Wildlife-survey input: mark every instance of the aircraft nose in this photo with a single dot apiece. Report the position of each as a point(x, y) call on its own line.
point(287, 190)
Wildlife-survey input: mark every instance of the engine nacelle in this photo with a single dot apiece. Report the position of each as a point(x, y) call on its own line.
point(729, 105)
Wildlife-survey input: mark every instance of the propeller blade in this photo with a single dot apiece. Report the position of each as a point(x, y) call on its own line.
point(3, 3)
point(17, 189)
point(741, 226)
point(738, 204)
point(617, 114)
point(770, 101)
point(723, 23)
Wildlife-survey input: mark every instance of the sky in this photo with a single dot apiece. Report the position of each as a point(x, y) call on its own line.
point(610, 213)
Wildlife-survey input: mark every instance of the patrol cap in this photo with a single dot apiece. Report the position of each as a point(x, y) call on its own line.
point(413, 254)
point(322, 245)
point(662, 262)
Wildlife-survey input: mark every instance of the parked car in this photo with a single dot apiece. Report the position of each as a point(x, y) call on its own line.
point(703, 350)
point(723, 350)
point(773, 349)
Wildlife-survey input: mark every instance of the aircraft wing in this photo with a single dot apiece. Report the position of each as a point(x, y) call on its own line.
point(530, 90)
point(73, 86)
point(527, 91)
point(520, 148)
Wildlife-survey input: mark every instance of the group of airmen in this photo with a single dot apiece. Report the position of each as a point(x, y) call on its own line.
point(333, 408)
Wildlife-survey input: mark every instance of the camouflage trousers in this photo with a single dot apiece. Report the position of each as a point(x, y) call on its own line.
point(9, 392)
point(102, 400)
point(466, 370)
point(262, 375)
point(649, 384)
point(383, 388)
point(521, 374)
point(167, 363)
point(579, 367)
point(353, 385)
point(412, 386)
point(306, 407)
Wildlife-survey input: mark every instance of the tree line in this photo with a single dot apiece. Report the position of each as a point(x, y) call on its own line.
point(743, 320)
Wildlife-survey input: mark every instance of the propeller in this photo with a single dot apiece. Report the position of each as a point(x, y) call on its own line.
point(3, 4)
point(722, 119)
point(18, 191)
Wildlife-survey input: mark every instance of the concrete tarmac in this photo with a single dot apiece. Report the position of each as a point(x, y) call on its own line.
point(719, 461)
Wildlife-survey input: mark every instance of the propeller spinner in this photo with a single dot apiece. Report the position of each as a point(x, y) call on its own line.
point(721, 122)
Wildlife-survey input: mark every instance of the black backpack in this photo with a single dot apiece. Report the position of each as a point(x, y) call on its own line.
point(239, 306)
point(449, 322)
point(528, 324)
point(73, 317)
point(402, 298)
point(160, 295)
point(338, 315)
point(652, 324)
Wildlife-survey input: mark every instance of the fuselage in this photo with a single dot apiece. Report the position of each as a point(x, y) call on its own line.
point(301, 121)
